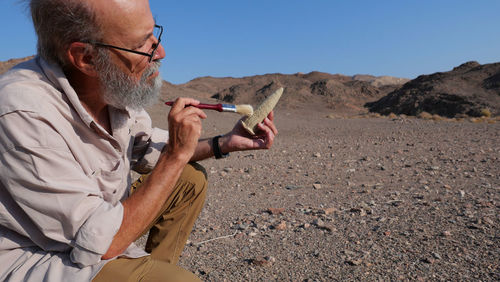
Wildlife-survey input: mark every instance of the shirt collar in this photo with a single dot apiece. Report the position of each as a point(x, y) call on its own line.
point(57, 77)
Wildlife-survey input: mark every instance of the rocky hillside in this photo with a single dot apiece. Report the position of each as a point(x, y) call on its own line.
point(470, 89)
point(311, 90)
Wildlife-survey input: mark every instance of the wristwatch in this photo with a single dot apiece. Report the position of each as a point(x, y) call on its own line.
point(216, 148)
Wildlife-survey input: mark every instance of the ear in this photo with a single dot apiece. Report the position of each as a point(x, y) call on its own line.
point(79, 57)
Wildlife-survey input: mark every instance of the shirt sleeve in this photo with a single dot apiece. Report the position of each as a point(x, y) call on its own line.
point(148, 143)
point(64, 210)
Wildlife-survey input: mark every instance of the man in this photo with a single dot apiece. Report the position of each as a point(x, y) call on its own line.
point(73, 124)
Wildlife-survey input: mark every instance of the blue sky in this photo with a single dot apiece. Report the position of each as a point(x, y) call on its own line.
point(403, 38)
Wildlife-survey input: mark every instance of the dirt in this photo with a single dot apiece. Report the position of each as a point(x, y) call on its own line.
point(351, 199)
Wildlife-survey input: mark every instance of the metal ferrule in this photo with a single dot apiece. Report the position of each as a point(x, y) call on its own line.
point(228, 108)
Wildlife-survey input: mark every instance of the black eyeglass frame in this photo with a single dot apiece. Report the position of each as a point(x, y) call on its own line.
point(151, 56)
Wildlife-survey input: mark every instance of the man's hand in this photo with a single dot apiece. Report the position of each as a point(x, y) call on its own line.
point(184, 124)
point(240, 140)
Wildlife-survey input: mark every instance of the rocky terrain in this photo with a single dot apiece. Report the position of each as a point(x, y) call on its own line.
point(344, 93)
point(469, 89)
point(343, 196)
point(351, 198)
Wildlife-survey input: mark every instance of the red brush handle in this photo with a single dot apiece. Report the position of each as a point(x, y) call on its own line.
point(217, 107)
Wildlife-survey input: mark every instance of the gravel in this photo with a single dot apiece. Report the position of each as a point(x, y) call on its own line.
point(352, 199)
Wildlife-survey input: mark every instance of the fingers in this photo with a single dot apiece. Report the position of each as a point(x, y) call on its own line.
point(269, 131)
point(181, 103)
point(269, 122)
point(184, 127)
point(270, 116)
point(181, 106)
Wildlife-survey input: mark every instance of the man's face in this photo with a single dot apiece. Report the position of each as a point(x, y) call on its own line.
point(122, 90)
point(128, 24)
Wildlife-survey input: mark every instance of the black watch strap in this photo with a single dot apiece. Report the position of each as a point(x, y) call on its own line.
point(216, 148)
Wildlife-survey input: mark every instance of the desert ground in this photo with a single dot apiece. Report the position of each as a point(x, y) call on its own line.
point(351, 198)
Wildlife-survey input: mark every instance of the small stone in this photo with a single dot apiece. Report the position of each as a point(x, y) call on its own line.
point(474, 226)
point(275, 210)
point(321, 225)
point(281, 226)
point(252, 234)
point(446, 233)
point(306, 225)
point(292, 187)
point(361, 211)
point(330, 210)
point(262, 261)
point(436, 255)
point(428, 260)
point(354, 262)
point(241, 226)
point(462, 193)
point(317, 155)
point(318, 222)
point(446, 186)
point(317, 186)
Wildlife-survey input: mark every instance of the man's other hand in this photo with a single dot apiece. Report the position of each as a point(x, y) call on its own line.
point(240, 140)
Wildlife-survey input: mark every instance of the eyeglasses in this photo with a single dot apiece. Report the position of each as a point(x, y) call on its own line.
point(158, 33)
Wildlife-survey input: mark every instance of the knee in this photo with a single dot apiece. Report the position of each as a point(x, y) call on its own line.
point(199, 169)
point(196, 174)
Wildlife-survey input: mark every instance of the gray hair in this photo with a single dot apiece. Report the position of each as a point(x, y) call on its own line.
point(58, 23)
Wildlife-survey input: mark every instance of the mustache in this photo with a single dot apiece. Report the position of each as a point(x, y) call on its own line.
point(151, 70)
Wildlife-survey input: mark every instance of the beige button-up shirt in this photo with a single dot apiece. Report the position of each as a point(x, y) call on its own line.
point(62, 176)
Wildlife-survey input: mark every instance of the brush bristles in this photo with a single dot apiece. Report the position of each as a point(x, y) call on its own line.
point(246, 110)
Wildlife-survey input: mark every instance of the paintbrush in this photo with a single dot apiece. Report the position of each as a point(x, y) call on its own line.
point(246, 110)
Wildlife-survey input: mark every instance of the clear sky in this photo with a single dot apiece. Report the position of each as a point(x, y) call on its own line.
point(403, 38)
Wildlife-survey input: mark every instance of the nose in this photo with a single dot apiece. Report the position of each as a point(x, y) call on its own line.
point(160, 53)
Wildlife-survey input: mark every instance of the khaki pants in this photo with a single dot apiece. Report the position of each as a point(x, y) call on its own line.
point(167, 234)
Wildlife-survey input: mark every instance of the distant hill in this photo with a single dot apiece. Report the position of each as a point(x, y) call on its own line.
point(5, 66)
point(333, 91)
point(466, 90)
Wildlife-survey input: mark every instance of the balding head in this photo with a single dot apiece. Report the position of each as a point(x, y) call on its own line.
point(59, 22)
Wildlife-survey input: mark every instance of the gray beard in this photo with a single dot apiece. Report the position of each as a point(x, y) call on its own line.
point(121, 90)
